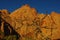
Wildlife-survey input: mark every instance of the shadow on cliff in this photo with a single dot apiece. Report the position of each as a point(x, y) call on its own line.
point(8, 30)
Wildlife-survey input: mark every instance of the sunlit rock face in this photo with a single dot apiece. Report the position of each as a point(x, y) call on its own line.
point(27, 22)
point(24, 16)
point(24, 11)
point(56, 17)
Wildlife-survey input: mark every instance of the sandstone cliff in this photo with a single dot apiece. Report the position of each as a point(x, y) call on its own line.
point(27, 22)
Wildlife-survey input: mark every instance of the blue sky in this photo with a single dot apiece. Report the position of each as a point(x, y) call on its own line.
point(41, 5)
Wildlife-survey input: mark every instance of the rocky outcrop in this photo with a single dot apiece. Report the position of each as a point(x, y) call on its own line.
point(6, 28)
point(27, 21)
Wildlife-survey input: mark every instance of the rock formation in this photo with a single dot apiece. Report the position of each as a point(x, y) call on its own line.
point(27, 22)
